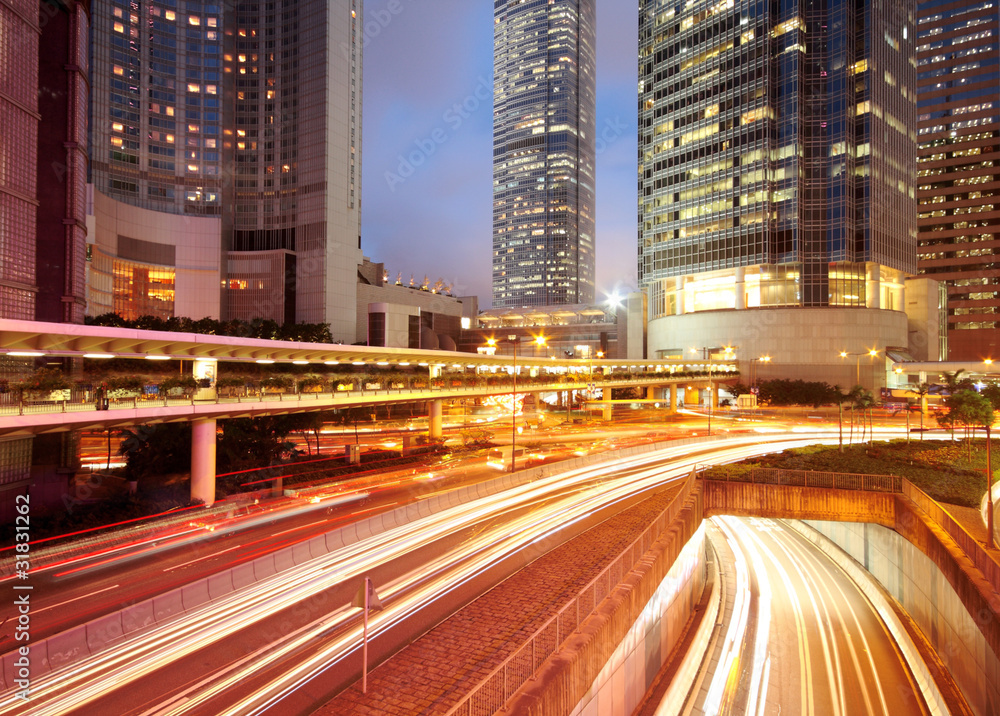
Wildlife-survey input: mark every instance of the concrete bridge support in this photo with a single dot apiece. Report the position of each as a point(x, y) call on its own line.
point(434, 421)
point(672, 397)
point(203, 437)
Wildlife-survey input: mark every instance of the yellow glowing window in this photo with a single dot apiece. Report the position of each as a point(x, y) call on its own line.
point(119, 12)
point(241, 133)
point(712, 111)
point(192, 167)
point(243, 33)
point(242, 58)
point(170, 15)
point(211, 89)
point(864, 107)
point(194, 20)
point(119, 27)
point(270, 94)
point(119, 70)
point(116, 141)
point(194, 88)
point(860, 66)
point(241, 145)
point(212, 22)
point(170, 138)
point(193, 128)
point(117, 126)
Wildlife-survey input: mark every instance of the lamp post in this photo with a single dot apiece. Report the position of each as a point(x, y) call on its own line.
point(873, 353)
point(514, 339)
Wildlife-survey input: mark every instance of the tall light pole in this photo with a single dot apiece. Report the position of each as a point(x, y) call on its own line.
point(514, 339)
point(872, 353)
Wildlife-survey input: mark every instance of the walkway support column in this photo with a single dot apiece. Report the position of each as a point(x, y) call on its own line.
point(434, 420)
point(672, 393)
point(203, 437)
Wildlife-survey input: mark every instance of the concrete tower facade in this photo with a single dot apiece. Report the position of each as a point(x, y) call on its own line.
point(958, 81)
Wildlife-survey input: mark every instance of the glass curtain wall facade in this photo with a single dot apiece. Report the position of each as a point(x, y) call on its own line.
point(293, 237)
point(156, 104)
point(543, 152)
point(19, 36)
point(777, 154)
point(958, 61)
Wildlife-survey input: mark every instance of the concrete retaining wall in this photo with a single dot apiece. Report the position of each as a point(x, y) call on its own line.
point(755, 500)
point(607, 666)
point(926, 593)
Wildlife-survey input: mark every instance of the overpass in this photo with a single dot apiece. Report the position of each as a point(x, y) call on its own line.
point(496, 375)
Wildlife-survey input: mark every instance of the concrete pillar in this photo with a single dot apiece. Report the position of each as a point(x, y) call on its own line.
point(874, 286)
point(434, 420)
point(608, 412)
point(714, 393)
point(203, 436)
point(653, 392)
point(741, 288)
point(672, 393)
point(691, 395)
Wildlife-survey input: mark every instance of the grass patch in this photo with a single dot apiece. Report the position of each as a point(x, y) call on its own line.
point(941, 469)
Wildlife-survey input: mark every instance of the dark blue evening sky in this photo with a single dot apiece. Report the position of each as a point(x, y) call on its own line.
point(427, 182)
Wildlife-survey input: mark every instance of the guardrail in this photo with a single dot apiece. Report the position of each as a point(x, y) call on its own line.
point(983, 560)
point(491, 694)
point(808, 478)
point(12, 403)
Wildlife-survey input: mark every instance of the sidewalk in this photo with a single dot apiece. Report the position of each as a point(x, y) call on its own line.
point(436, 671)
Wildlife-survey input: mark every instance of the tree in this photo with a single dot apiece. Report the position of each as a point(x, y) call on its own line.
point(156, 450)
point(922, 390)
point(992, 393)
point(254, 442)
point(955, 382)
point(864, 400)
point(968, 409)
point(840, 397)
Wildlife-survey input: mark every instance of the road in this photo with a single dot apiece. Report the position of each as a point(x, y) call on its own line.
point(271, 645)
point(802, 637)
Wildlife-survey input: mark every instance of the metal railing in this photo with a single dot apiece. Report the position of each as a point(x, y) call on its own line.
point(83, 400)
point(809, 478)
point(490, 695)
point(983, 560)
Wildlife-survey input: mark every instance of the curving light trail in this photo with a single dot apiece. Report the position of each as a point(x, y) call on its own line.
point(513, 519)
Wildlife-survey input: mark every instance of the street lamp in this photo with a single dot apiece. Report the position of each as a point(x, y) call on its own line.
point(753, 369)
point(873, 353)
point(515, 340)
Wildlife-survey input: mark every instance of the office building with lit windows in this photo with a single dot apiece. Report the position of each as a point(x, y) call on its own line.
point(543, 152)
point(43, 179)
point(225, 160)
point(958, 96)
point(777, 202)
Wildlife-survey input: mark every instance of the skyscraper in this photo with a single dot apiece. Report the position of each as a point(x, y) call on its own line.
point(776, 192)
point(958, 65)
point(225, 144)
point(543, 152)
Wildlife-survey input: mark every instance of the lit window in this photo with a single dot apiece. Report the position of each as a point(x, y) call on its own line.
point(192, 167)
point(116, 141)
point(117, 126)
point(194, 20)
point(119, 70)
point(193, 128)
point(119, 27)
point(170, 15)
point(170, 138)
point(194, 88)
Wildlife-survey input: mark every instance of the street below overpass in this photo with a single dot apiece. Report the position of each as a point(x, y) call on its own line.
point(280, 645)
point(799, 637)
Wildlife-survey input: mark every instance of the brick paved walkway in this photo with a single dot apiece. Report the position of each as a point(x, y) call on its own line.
point(435, 672)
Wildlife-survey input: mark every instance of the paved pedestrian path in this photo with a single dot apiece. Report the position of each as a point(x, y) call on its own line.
point(436, 671)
